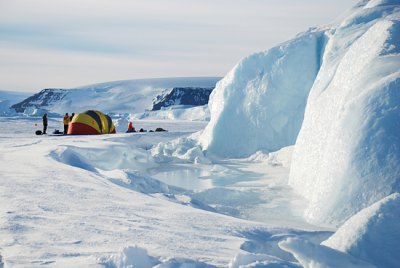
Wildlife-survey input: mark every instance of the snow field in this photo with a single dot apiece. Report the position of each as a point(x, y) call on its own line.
point(95, 201)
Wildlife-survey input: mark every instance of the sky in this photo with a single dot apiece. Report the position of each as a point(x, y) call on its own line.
point(71, 43)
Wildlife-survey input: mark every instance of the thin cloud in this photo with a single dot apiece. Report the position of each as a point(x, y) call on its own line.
point(146, 36)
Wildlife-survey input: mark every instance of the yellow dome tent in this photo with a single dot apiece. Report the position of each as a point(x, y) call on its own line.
point(91, 123)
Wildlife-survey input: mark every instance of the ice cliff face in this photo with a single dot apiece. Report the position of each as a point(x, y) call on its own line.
point(347, 154)
point(344, 81)
point(261, 101)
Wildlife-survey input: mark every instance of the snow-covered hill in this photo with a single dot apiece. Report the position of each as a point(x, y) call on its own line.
point(46, 98)
point(130, 96)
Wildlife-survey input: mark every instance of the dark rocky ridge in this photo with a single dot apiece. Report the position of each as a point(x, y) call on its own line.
point(191, 96)
point(41, 100)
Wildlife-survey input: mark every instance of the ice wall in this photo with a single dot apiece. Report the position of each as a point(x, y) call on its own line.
point(260, 103)
point(347, 155)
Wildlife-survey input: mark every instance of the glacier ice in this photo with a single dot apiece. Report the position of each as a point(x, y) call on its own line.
point(347, 153)
point(260, 103)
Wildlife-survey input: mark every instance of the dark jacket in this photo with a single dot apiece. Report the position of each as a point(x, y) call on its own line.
point(44, 119)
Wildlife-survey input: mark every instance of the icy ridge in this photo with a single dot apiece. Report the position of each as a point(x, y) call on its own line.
point(260, 103)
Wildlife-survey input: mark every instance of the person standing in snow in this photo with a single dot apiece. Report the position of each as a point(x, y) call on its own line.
point(130, 128)
point(44, 123)
point(72, 116)
point(66, 122)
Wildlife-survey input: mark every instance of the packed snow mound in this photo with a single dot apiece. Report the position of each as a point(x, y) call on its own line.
point(312, 255)
point(260, 103)
point(179, 150)
point(135, 256)
point(372, 234)
point(347, 155)
point(283, 157)
point(129, 257)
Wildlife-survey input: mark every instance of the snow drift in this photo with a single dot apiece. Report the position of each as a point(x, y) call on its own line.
point(372, 234)
point(347, 154)
point(311, 255)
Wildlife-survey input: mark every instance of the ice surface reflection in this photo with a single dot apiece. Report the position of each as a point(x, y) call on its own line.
point(182, 176)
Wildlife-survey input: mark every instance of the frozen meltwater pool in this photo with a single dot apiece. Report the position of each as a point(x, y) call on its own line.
point(183, 176)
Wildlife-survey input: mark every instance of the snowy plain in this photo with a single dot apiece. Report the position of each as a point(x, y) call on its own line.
point(104, 201)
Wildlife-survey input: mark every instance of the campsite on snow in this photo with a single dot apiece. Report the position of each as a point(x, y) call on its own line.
point(292, 159)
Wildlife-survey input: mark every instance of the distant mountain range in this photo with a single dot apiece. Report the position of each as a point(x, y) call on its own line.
point(130, 96)
point(45, 98)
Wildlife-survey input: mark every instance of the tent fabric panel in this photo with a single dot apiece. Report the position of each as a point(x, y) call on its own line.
point(101, 123)
point(86, 119)
point(104, 122)
point(78, 128)
point(96, 115)
point(109, 123)
point(112, 130)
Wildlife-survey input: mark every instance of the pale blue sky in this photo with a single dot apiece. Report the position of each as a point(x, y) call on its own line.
point(69, 43)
